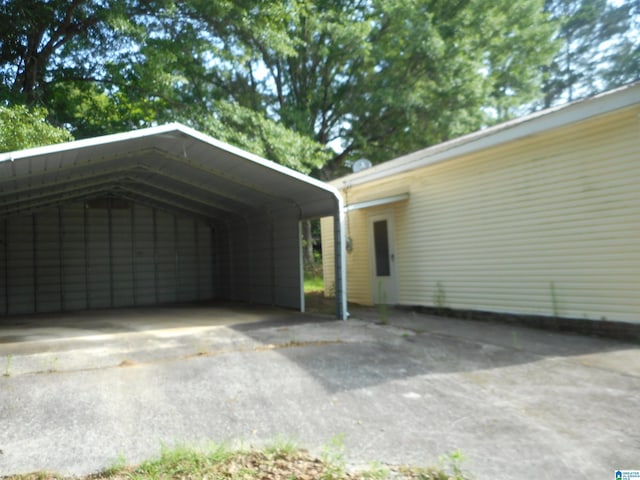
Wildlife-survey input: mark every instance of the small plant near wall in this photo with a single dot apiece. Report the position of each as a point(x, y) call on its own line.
point(331, 291)
point(382, 306)
point(554, 299)
point(440, 297)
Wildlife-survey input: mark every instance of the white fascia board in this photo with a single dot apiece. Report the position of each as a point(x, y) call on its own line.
point(532, 124)
point(377, 202)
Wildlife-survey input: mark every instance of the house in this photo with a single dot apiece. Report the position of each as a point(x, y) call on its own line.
point(538, 217)
point(153, 216)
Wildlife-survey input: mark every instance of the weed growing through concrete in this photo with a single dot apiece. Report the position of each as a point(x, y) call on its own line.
point(376, 471)
point(382, 306)
point(200, 348)
point(281, 446)
point(514, 338)
point(333, 458)
point(7, 367)
point(118, 464)
point(453, 461)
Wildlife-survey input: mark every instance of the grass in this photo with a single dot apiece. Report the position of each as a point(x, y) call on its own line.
point(280, 461)
point(313, 283)
point(315, 301)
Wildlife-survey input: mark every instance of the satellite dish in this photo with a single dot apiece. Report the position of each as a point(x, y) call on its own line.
point(361, 164)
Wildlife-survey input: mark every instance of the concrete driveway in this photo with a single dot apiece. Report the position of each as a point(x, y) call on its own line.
point(518, 403)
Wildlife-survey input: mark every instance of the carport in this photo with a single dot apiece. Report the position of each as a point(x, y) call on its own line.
point(155, 216)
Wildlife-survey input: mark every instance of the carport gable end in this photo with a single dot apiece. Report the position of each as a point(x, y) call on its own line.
point(158, 215)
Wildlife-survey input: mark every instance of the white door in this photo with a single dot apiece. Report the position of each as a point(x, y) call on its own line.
point(383, 259)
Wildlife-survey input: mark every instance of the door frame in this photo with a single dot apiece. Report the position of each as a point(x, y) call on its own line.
point(391, 287)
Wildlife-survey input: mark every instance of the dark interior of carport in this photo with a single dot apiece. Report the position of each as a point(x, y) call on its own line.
point(153, 216)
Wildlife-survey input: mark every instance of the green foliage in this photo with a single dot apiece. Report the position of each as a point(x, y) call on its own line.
point(91, 112)
point(118, 464)
point(21, 127)
point(453, 462)
point(383, 77)
point(281, 446)
point(313, 283)
point(254, 132)
point(182, 461)
point(333, 457)
point(376, 471)
point(599, 48)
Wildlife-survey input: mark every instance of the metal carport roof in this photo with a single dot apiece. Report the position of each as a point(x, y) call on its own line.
point(171, 167)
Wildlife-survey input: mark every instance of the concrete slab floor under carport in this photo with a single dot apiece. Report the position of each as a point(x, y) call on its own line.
point(518, 403)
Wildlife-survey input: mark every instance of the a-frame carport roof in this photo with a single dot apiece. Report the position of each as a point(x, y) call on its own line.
point(172, 168)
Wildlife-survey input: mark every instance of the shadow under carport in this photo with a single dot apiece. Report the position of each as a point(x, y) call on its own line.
point(61, 330)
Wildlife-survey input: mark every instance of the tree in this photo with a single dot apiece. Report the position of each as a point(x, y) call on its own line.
point(599, 48)
point(69, 55)
point(622, 60)
point(382, 77)
point(22, 128)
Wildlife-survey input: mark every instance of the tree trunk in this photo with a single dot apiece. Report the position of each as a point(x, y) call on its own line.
point(309, 261)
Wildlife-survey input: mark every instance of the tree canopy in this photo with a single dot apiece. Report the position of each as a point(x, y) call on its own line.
point(21, 127)
point(599, 48)
point(310, 84)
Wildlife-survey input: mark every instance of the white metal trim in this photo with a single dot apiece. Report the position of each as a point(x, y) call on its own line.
point(377, 202)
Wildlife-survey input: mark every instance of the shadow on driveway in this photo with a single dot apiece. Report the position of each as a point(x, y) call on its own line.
point(411, 344)
point(513, 399)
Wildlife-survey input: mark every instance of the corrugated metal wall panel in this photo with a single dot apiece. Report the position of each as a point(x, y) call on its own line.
point(286, 258)
point(166, 257)
point(102, 254)
point(20, 265)
point(545, 225)
point(261, 252)
point(221, 261)
point(239, 272)
point(122, 256)
point(47, 261)
point(187, 251)
point(144, 246)
point(207, 265)
point(99, 261)
point(74, 254)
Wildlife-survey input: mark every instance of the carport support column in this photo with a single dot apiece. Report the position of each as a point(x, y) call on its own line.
point(340, 262)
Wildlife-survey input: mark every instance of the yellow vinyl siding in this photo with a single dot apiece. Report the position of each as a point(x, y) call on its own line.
point(548, 224)
point(328, 256)
point(358, 275)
